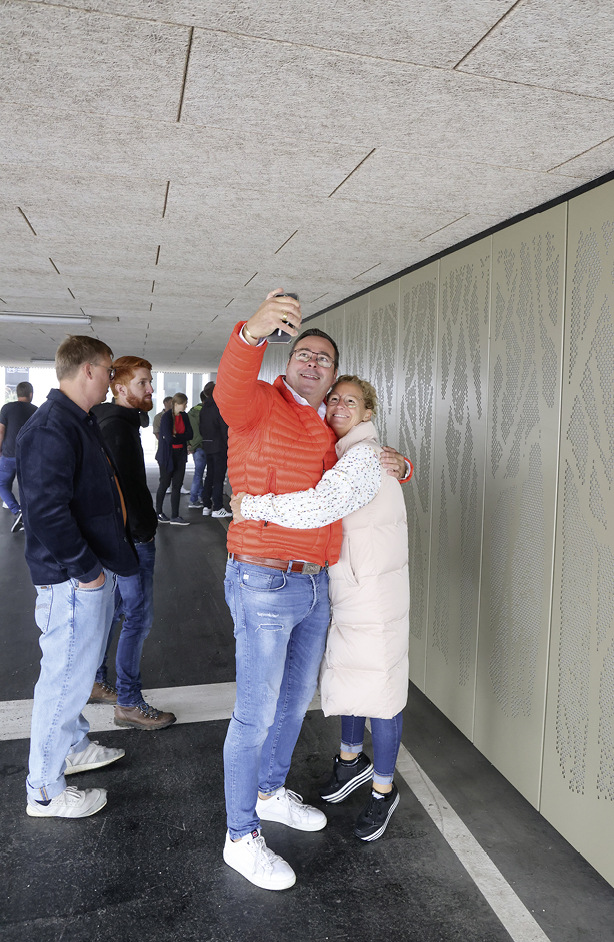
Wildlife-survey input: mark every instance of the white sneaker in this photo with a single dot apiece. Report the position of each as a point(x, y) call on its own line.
point(206, 511)
point(287, 807)
point(184, 490)
point(257, 863)
point(222, 513)
point(71, 803)
point(94, 756)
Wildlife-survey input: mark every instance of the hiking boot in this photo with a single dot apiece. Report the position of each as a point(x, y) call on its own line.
point(346, 777)
point(142, 716)
point(103, 693)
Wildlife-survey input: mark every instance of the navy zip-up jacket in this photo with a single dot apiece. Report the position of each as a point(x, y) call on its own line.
point(71, 507)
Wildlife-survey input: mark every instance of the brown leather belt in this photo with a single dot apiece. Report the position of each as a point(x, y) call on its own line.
point(286, 565)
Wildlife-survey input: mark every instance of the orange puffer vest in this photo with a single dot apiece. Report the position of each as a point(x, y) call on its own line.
point(275, 445)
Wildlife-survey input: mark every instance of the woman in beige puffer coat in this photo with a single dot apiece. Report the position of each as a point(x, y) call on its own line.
point(365, 668)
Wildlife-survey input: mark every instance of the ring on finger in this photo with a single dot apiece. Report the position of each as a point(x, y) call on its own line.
point(284, 317)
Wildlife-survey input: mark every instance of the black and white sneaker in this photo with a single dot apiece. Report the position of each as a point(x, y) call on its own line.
point(162, 518)
point(373, 819)
point(346, 777)
point(17, 523)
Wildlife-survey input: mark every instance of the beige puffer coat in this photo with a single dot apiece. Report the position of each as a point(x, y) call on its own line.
point(365, 667)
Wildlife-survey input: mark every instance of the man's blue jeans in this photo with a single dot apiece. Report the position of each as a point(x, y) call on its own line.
point(281, 620)
point(200, 463)
point(7, 476)
point(73, 624)
point(133, 601)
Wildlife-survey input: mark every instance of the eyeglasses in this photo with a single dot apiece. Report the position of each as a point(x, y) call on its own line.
point(350, 401)
point(305, 356)
point(110, 370)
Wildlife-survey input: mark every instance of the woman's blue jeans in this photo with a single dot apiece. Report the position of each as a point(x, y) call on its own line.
point(386, 737)
point(281, 620)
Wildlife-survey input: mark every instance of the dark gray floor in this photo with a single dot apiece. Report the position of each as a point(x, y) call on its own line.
point(149, 866)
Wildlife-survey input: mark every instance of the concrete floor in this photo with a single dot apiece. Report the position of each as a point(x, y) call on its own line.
point(149, 866)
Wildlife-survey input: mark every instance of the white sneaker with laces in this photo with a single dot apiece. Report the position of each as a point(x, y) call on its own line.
point(206, 511)
point(287, 807)
point(257, 863)
point(94, 756)
point(71, 803)
point(221, 514)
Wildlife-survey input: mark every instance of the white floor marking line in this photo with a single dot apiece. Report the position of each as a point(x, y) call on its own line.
point(515, 917)
point(194, 704)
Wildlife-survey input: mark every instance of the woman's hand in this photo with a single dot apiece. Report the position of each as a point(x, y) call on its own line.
point(235, 506)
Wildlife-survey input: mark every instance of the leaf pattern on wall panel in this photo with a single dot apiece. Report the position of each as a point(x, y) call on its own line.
point(383, 343)
point(417, 376)
point(525, 369)
point(463, 340)
point(355, 357)
point(585, 723)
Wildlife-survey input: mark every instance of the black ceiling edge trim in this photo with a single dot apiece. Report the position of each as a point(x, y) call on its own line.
point(542, 208)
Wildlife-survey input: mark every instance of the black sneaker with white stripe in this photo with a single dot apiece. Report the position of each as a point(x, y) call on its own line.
point(346, 778)
point(373, 819)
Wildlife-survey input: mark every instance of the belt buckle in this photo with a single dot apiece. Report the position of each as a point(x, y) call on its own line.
point(311, 569)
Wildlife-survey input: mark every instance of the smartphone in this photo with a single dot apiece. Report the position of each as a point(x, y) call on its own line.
point(280, 336)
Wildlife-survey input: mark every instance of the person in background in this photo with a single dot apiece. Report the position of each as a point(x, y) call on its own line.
point(172, 455)
point(166, 403)
point(120, 425)
point(365, 667)
point(13, 417)
point(214, 432)
point(76, 542)
point(195, 448)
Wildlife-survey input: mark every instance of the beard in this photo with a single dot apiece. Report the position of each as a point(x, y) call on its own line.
point(145, 405)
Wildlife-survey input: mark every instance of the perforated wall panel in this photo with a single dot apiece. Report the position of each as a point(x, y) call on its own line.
point(383, 347)
point(578, 778)
point(458, 481)
point(519, 507)
point(416, 365)
point(355, 353)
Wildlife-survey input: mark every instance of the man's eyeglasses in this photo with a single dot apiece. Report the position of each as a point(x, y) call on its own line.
point(350, 401)
point(110, 370)
point(305, 356)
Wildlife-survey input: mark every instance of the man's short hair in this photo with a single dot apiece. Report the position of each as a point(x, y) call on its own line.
point(77, 350)
point(208, 390)
point(125, 368)
point(24, 389)
point(167, 399)
point(203, 395)
point(316, 332)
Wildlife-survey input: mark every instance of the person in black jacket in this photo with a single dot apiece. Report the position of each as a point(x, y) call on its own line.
point(172, 455)
point(76, 543)
point(120, 424)
point(214, 432)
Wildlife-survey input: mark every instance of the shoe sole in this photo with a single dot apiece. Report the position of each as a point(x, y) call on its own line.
point(297, 827)
point(100, 700)
point(34, 812)
point(261, 883)
point(73, 769)
point(128, 724)
point(341, 794)
point(380, 830)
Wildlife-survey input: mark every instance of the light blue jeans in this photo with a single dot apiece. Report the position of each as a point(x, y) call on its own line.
point(133, 602)
point(200, 463)
point(281, 620)
point(73, 624)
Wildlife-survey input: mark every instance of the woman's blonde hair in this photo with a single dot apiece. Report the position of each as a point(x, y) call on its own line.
point(368, 392)
point(179, 399)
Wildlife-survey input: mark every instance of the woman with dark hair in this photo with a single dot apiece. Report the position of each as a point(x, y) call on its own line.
point(364, 672)
point(172, 455)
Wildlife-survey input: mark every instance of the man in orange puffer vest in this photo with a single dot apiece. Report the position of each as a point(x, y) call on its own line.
point(276, 578)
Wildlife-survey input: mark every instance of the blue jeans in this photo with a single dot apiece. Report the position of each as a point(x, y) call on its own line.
point(73, 624)
point(133, 601)
point(200, 463)
point(281, 620)
point(7, 476)
point(386, 736)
